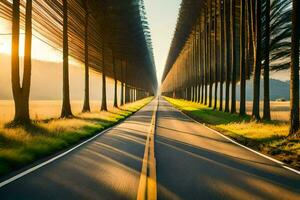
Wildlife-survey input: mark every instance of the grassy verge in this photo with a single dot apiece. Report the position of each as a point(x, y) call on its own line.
point(23, 145)
point(267, 137)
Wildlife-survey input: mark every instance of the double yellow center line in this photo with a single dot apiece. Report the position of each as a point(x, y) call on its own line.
point(147, 186)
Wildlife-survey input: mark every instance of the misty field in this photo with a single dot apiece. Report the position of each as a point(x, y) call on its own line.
point(48, 134)
point(41, 110)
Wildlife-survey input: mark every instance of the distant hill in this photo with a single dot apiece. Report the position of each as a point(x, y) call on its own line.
point(278, 89)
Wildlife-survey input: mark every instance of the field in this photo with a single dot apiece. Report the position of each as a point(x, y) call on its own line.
point(40, 110)
point(49, 134)
point(279, 110)
point(267, 137)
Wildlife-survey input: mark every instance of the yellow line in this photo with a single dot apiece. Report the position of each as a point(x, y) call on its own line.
point(147, 186)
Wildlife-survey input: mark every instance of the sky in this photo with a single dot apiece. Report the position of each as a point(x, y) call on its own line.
point(162, 18)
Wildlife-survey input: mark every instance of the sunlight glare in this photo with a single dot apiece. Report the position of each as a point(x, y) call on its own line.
point(40, 50)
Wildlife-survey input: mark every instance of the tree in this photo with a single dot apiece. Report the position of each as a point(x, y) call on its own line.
point(233, 58)
point(66, 106)
point(122, 85)
point(257, 62)
point(21, 93)
point(209, 55)
point(104, 37)
point(202, 58)
point(86, 104)
point(266, 112)
point(294, 108)
point(242, 60)
point(227, 49)
point(221, 16)
point(103, 103)
point(205, 66)
point(116, 84)
point(216, 54)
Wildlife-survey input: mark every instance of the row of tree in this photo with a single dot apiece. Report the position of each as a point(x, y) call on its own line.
point(230, 41)
point(130, 90)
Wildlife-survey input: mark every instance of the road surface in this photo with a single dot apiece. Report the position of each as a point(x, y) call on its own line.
point(192, 162)
point(109, 167)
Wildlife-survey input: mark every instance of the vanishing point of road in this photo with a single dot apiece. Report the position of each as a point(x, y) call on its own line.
point(192, 162)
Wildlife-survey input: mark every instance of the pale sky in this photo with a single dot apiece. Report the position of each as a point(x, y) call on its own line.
point(162, 18)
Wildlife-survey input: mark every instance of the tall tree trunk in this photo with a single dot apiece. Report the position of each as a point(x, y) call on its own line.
point(103, 104)
point(195, 67)
point(21, 93)
point(209, 56)
point(266, 113)
point(227, 49)
point(122, 85)
point(221, 16)
point(257, 63)
point(126, 84)
point(116, 84)
point(205, 66)
point(15, 70)
point(250, 39)
point(86, 104)
point(242, 60)
point(233, 58)
point(215, 55)
point(201, 66)
point(66, 107)
point(294, 90)
point(202, 43)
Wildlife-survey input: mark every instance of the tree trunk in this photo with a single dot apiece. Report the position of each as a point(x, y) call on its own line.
point(257, 64)
point(215, 55)
point(21, 94)
point(103, 104)
point(242, 60)
point(86, 104)
point(209, 56)
point(221, 9)
point(116, 84)
point(233, 59)
point(227, 49)
point(205, 53)
point(66, 107)
point(250, 50)
point(122, 85)
point(294, 90)
point(266, 113)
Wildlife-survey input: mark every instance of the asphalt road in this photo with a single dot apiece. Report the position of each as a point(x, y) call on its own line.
point(195, 163)
point(192, 162)
point(108, 167)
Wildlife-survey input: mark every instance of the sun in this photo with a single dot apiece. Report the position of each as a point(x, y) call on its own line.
point(40, 50)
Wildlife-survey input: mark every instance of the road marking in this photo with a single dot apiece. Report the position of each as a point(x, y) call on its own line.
point(235, 142)
point(148, 186)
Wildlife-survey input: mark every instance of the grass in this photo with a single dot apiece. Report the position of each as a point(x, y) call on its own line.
point(24, 145)
point(268, 137)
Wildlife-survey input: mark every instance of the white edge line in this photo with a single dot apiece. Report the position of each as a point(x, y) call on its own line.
point(249, 149)
point(52, 159)
point(24, 173)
